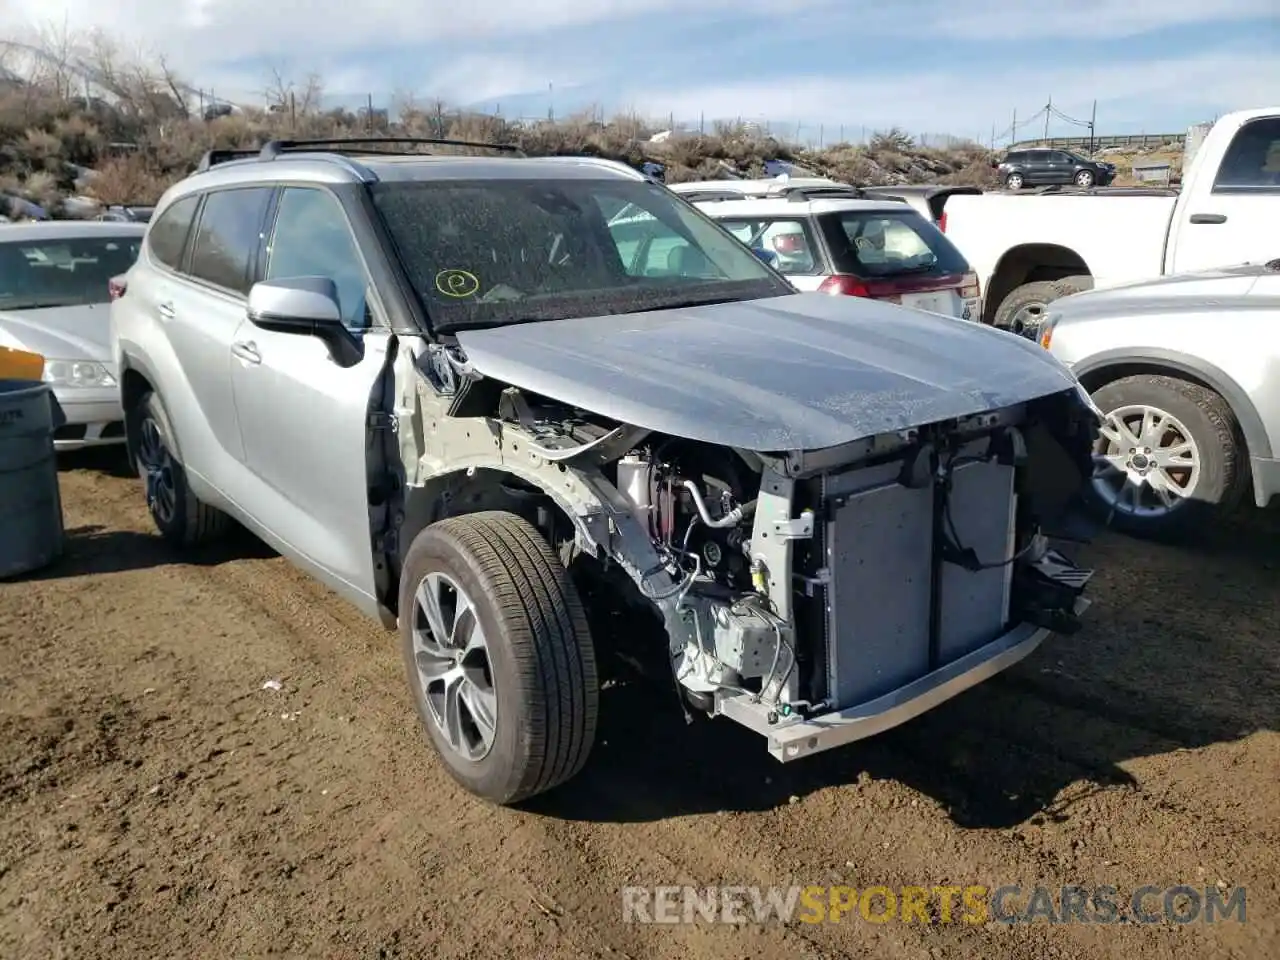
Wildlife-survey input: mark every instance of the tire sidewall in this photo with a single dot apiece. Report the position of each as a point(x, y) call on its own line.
point(1212, 484)
point(499, 771)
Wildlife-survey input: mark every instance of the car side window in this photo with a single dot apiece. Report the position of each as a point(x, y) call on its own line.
point(227, 236)
point(312, 238)
point(790, 241)
point(1252, 161)
point(167, 238)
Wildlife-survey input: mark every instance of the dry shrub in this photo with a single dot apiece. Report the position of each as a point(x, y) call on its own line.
point(41, 187)
point(127, 180)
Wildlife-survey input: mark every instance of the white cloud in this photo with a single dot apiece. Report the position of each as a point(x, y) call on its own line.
point(940, 101)
point(466, 51)
point(1007, 20)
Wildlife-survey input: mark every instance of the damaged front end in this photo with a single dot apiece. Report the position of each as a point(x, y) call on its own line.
point(826, 596)
point(814, 596)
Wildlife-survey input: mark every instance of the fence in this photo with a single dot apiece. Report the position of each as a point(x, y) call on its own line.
point(1140, 140)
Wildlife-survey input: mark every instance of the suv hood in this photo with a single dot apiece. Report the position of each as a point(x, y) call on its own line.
point(796, 372)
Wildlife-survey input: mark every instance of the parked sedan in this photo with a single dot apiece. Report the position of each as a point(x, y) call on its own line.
point(55, 291)
point(1186, 371)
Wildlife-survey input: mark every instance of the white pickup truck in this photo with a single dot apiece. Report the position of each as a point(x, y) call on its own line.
point(1028, 249)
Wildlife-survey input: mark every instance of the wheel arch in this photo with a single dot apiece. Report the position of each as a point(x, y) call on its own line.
point(555, 498)
point(136, 381)
point(1029, 263)
point(1113, 365)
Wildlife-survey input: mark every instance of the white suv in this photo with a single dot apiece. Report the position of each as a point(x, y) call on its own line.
point(824, 237)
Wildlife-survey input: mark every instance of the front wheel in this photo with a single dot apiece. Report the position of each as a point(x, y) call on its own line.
point(1084, 178)
point(1167, 458)
point(499, 655)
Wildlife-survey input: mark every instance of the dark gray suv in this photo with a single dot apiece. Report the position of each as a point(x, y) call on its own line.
point(1043, 167)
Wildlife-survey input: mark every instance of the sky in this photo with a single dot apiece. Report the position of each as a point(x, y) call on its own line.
point(816, 68)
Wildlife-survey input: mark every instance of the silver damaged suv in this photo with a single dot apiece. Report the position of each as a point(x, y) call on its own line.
point(542, 413)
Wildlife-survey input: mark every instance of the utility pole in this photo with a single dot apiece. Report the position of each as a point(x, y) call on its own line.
point(1013, 129)
point(1048, 109)
point(1093, 122)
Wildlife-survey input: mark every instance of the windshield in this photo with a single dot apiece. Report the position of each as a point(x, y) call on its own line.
point(889, 244)
point(481, 253)
point(62, 272)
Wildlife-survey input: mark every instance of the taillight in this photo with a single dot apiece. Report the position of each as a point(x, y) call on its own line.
point(942, 221)
point(116, 287)
point(970, 288)
point(841, 285)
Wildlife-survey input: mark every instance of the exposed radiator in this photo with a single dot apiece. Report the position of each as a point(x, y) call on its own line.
point(880, 553)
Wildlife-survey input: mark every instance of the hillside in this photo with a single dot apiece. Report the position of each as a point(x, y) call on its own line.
point(128, 149)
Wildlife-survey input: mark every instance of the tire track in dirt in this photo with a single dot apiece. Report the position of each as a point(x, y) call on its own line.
point(396, 858)
point(326, 630)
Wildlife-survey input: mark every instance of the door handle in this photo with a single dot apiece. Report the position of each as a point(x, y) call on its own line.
point(165, 310)
point(246, 351)
point(1208, 218)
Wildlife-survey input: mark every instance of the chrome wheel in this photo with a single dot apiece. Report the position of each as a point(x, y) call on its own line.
point(157, 467)
point(1084, 179)
point(1014, 181)
point(453, 665)
point(1028, 315)
point(1147, 463)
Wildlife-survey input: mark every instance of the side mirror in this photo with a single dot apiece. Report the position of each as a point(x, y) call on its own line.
point(307, 306)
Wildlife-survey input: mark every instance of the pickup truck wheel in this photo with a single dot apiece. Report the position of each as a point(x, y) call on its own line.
point(1084, 178)
point(1166, 458)
point(1014, 181)
point(178, 514)
point(499, 655)
point(1026, 305)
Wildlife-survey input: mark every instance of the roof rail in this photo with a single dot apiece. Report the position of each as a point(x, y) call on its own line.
point(343, 145)
point(273, 148)
point(702, 196)
point(213, 157)
point(802, 194)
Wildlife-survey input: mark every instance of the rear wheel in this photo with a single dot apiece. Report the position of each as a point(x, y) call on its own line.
point(1014, 181)
point(1025, 306)
point(178, 514)
point(499, 655)
point(1167, 458)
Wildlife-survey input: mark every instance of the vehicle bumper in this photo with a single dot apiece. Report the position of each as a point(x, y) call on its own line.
point(1266, 479)
point(93, 419)
point(793, 739)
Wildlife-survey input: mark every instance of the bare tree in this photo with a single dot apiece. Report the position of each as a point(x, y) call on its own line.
point(58, 46)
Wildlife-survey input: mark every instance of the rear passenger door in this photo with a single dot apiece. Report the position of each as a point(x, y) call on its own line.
point(303, 418)
point(201, 313)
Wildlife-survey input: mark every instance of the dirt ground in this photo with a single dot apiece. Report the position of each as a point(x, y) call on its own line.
point(157, 801)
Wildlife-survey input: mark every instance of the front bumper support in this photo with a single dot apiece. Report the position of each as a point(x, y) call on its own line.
point(793, 738)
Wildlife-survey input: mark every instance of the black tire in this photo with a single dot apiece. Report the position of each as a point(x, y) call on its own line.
point(1032, 299)
point(189, 522)
point(1085, 178)
point(1015, 181)
point(541, 659)
point(1213, 429)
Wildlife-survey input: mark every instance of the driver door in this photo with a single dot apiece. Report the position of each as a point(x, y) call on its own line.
point(303, 418)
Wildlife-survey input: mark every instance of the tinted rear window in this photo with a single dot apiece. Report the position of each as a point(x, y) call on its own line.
point(61, 273)
point(889, 244)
